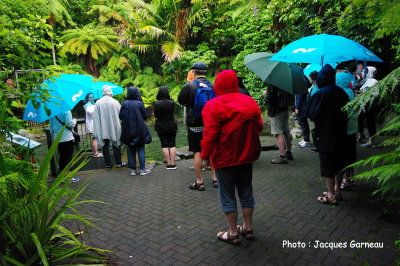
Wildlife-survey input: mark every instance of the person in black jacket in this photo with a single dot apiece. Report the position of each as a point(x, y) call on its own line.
point(195, 124)
point(325, 109)
point(165, 125)
point(134, 132)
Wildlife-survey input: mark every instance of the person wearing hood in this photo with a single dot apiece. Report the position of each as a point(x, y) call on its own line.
point(232, 124)
point(165, 126)
point(325, 109)
point(107, 126)
point(344, 81)
point(135, 133)
point(368, 115)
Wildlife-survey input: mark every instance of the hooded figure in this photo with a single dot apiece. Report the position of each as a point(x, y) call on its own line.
point(232, 124)
point(106, 123)
point(132, 115)
point(325, 109)
point(370, 79)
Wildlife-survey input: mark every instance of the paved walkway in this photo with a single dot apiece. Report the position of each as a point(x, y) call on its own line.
point(156, 220)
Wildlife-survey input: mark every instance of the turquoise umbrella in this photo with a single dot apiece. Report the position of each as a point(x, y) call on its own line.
point(65, 92)
point(288, 77)
point(324, 48)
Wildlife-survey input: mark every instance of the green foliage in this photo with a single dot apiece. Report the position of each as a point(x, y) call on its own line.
point(178, 69)
point(385, 167)
point(148, 82)
point(24, 43)
point(32, 214)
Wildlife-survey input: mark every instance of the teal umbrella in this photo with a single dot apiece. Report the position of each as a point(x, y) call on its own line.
point(285, 76)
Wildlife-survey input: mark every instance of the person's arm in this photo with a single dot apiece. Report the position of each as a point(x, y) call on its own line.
point(143, 111)
point(68, 120)
point(315, 106)
point(121, 111)
point(212, 128)
point(185, 96)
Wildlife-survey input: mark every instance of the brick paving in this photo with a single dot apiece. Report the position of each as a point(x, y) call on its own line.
point(156, 220)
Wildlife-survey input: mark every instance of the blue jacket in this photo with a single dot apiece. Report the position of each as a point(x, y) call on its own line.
point(134, 131)
point(301, 103)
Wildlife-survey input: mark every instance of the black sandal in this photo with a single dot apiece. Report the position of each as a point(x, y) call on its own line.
point(215, 183)
point(248, 234)
point(197, 186)
point(234, 240)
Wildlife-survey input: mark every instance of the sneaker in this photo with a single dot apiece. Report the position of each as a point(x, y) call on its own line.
point(279, 160)
point(167, 166)
point(304, 144)
point(108, 167)
point(144, 172)
point(75, 179)
point(367, 145)
point(120, 165)
point(289, 155)
point(172, 167)
point(314, 150)
point(134, 172)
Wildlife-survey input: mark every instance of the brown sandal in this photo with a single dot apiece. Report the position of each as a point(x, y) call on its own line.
point(234, 240)
point(197, 186)
point(326, 200)
point(248, 234)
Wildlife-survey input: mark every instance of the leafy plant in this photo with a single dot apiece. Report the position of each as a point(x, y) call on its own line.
point(384, 167)
point(32, 214)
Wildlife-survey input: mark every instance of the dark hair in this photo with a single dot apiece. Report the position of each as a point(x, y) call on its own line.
point(87, 97)
point(313, 75)
point(163, 93)
point(200, 72)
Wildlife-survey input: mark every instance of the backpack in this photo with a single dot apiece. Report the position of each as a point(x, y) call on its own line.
point(203, 94)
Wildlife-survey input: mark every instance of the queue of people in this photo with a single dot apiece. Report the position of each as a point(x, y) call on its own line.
point(223, 127)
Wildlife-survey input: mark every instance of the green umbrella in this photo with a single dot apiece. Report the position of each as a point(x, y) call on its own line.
point(285, 76)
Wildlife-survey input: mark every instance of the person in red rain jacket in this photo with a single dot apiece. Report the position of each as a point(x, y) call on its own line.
point(232, 124)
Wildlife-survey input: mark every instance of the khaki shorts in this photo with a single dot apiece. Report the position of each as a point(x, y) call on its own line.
point(280, 123)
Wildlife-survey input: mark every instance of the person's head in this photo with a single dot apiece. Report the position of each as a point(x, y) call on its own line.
point(371, 72)
point(360, 67)
point(133, 94)
point(326, 76)
point(107, 91)
point(313, 76)
point(226, 82)
point(343, 80)
point(200, 69)
point(163, 93)
point(89, 98)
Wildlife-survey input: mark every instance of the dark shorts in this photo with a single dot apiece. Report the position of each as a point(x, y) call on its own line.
point(194, 139)
point(351, 149)
point(331, 163)
point(167, 139)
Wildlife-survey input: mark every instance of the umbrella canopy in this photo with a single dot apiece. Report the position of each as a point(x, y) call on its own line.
point(65, 92)
point(324, 48)
point(288, 77)
point(97, 89)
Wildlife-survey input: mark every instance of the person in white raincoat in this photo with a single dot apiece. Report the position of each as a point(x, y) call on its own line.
point(107, 126)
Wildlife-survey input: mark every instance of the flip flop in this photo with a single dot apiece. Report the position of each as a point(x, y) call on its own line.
point(337, 194)
point(234, 240)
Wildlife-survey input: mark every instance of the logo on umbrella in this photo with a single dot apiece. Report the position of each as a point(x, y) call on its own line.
point(31, 114)
point(76, 96)
point(304, 50)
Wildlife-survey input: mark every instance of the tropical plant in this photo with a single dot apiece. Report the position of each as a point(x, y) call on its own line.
point(113, 12)
point(32, 215)
point(91, 42)
point(163, 25)
point(384, 167)
point(148, 83)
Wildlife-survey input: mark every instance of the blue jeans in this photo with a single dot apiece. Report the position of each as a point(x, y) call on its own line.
point(132, 156)
point(239, 177)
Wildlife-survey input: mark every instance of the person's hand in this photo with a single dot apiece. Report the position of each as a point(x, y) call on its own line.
point(265, 92)
point(296, 111)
